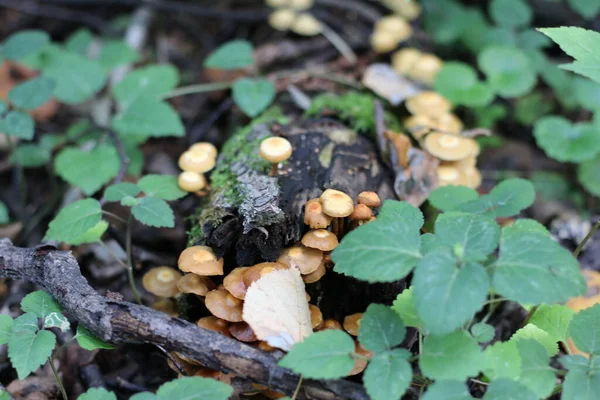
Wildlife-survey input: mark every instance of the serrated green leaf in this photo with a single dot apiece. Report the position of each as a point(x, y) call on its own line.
point(504, 389)
point(508, 70)
point(89, 341)
point(447, 198)
point(79, 41)
point(446, 293)
point(161, 186)
point(28, 348)
point(97, 394)
point(534, 269)
point(584, 330)
point(155, 212)
point(31, 93)
point(586, 8)
point(194, 388)
point(536, 374)
point(4, 217)
point(587, 173)
point(88, 170)
point(253, 95)
point(116, 52)
point(458, 83)
point(503, 361)
point(511, 13)
point(388, 375)
point(505, 200)
point(564, 141)
point(74, 220)
point(553, 319)
point(404, 306)
point(473, 236)
point(91, 236)
point(380, 328)
point(24, 43)
point(455, 356)
point(77, 78)
point(148, 118)
point(531, 331)
point(6, 324)
point(235, 54)
point(483, 332)
point(152, 82)
point(40, 304)
point(117, 191)
point(525, 225)
point(384, 250)
point(57, 320)
point(18, 124)
point(322, 355)
point(582, 382)
point(447, 390)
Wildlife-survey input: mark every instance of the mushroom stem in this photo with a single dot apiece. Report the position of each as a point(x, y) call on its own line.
point(337, 226)
point(273, 171)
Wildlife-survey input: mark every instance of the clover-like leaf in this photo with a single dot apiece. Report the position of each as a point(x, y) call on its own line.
point(503, 360)
point(153, 211)
point(474, 236)
point(380, 328)
point(388, 375)
point(505, 200)
point(584, 330)
point(587, 173)
point(444, 390)
point(582, 382)
point(116, 52)
point(147, 117)
point(117, 191)
point(74, 220)
point(152, 82)
point(565, 141)
point(24, 43)
point(458, 83)
point(253, 95)
point(448, 198)
point(88, 170)
point(455, 356)
point(31, 93)
point(18, 124)
point(235, 54)
point(508, 70)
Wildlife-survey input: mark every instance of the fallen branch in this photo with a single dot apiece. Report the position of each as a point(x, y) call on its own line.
point(123, 322)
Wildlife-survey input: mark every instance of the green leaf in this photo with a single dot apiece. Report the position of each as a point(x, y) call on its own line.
point(455, 356)
point(57, 320)
point(583, 379)
point(584, 330)
point(79, 41)
point(235, 54)
point(388, 375)
point(194, 388)
point(31, 93)
point(586, 93)
point(148, 118)
point(505, 389)
point(483, 332)
point(587, 173)
point(511, 13)
point(152, 82)
point(6, 324)
point(253, 96)
point(155, 212)
point(458, 83)
point(553, 319)
point(28, 349)
point(31, 155)
point(115, 53)
point(447, 198)
point(322, 355)
point(143, 396)
point(446, 293)
point(532, 107)
point(525, 225)
point(530, 39)
point(24, 43)
point(586, 8)
point(88, 170)
point(582, 45)
point(533, 269)
point(40, 304)
point(129, 201)
point(18, 124)
point(430, 242)
point(472, 236)
point(89, 341)
point(384, 250)
point(505, 200)
point(161, 186)
point(531, 331)
point(74, 220)
point(503, 360)
point(508, 70)
point(4, 217)
point(97, 394)
point(77, 78)
point(93, 235)
point(536, 374)
point(117, 191)
point(447, 390)
point(380, 328)
point(564, 141)
point(404, 305)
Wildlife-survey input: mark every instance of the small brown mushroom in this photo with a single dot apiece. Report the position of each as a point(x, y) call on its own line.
point(360, 364)
point(315, 275)
point(234, 282)
point(252, 274)
point(338, 205)
point(314, 215)
point(196, 284)
point(320, 239)
point(304, 259)
point(428, 103)
point(242, 332)
point(361, 213)
point(352, 323)
point(196, 161)
point(205, 147)
point(369, 199)
point(275, 149)
point(161, 281)
point(191, 181)
point(331, 324)
point(214, 324)
point(166, 305)
point(316, 317)
point(223, 305)
point(200, 260)
point(448, 147)
point(187, 367)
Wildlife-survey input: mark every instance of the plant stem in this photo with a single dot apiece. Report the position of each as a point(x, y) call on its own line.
point(199, 88)
point(529, 315)
point(100, 242)
point(586, 238)
point(129, 264)
point(60, 349)
point(298, 387)
point(115, 216)
point(58, 380)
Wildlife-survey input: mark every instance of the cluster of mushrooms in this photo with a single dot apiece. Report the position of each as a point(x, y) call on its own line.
point(292, 15)
point(417, 65)
point(394, 29)
point(195, 162)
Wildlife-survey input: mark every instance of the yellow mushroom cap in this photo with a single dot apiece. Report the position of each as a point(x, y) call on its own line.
point(449, 123)
point(426, 69)
point(320, 239)
point(223, 305)
point(369, 199)
point(254, 273)
point(314, 215)
point(450, 175)
point(214, 324)
point(196, 284)
point(301, 4)
point(428, 103)
point(336, 204)
point(394, 25)
point(473, 177)
point(205, 147)
point(304, 259)
point(404, 60)
point(383, 42)
point(161, 281)
point(191, 181)
point(200, 260)
point(282, 19)
point(275, 149)
point(448, 147)
point(315, 275)
point(306, 25)
point(361, 212)
point(196, 161)
point(419, 125)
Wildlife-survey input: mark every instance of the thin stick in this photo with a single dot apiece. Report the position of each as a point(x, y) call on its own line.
point(586, 238)
point(339, 43)
point(298, 387)
point(199, 88)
